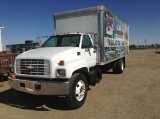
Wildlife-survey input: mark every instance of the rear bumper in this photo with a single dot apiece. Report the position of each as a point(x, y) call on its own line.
point(40, 87)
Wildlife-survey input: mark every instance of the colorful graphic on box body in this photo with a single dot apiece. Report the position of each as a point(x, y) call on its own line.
point(116, 37)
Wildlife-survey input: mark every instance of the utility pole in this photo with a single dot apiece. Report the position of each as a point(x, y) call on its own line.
point(145, 42)
point(1, 27)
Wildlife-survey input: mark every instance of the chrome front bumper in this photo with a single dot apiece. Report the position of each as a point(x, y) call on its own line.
point(40, 87)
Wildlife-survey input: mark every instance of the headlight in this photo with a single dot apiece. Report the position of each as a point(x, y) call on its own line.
point(61, 73)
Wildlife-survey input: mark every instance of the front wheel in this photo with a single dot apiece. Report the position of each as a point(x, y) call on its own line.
point(77, 91)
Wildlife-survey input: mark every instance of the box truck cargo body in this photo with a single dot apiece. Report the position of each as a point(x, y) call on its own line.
point(108, 31)
point(85, 42)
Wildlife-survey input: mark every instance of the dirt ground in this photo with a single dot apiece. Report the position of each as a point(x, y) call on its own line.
point(135, 94)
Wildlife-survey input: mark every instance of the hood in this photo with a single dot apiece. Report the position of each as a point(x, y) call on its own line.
point(47, 52)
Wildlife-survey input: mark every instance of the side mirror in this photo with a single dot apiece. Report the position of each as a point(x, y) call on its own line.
point(95, 47)
point(96, 37)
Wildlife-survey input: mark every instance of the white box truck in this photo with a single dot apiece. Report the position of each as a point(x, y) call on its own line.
point(85, 41)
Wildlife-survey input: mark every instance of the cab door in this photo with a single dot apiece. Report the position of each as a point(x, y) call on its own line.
point(87, 51)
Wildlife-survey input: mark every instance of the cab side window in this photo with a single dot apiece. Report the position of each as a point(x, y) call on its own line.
point(86, 42)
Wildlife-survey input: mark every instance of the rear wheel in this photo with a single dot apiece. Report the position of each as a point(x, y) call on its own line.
point(114, 67)
point(77, 92)
point(118, 66)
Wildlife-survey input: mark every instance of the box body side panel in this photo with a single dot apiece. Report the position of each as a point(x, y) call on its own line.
point(116, 37)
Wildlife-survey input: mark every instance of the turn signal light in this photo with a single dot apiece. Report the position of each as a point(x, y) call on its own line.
point(61, 63)
point(13, 76)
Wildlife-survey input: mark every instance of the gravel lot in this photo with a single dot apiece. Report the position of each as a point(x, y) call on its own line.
point(135, 94)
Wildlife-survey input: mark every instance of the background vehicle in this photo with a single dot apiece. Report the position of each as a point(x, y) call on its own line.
point(5, 61)
point(85, 42)
point(20, 48)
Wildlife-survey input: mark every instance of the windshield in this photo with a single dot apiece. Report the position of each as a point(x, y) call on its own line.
point(63, 41)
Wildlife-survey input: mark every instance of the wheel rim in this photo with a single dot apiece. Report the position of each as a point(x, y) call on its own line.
point(80, 90)
point(122, 66)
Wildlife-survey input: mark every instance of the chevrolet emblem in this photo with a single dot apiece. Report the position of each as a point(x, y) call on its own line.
point(30, 67)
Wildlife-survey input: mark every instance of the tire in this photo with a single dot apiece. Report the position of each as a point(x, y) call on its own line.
point(114, 67)
point(118, 67)
point(77, 91)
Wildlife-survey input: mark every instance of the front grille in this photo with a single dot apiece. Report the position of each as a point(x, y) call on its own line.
point(33, 66)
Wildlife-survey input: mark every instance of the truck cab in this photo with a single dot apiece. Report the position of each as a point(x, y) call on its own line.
point(64, 61)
